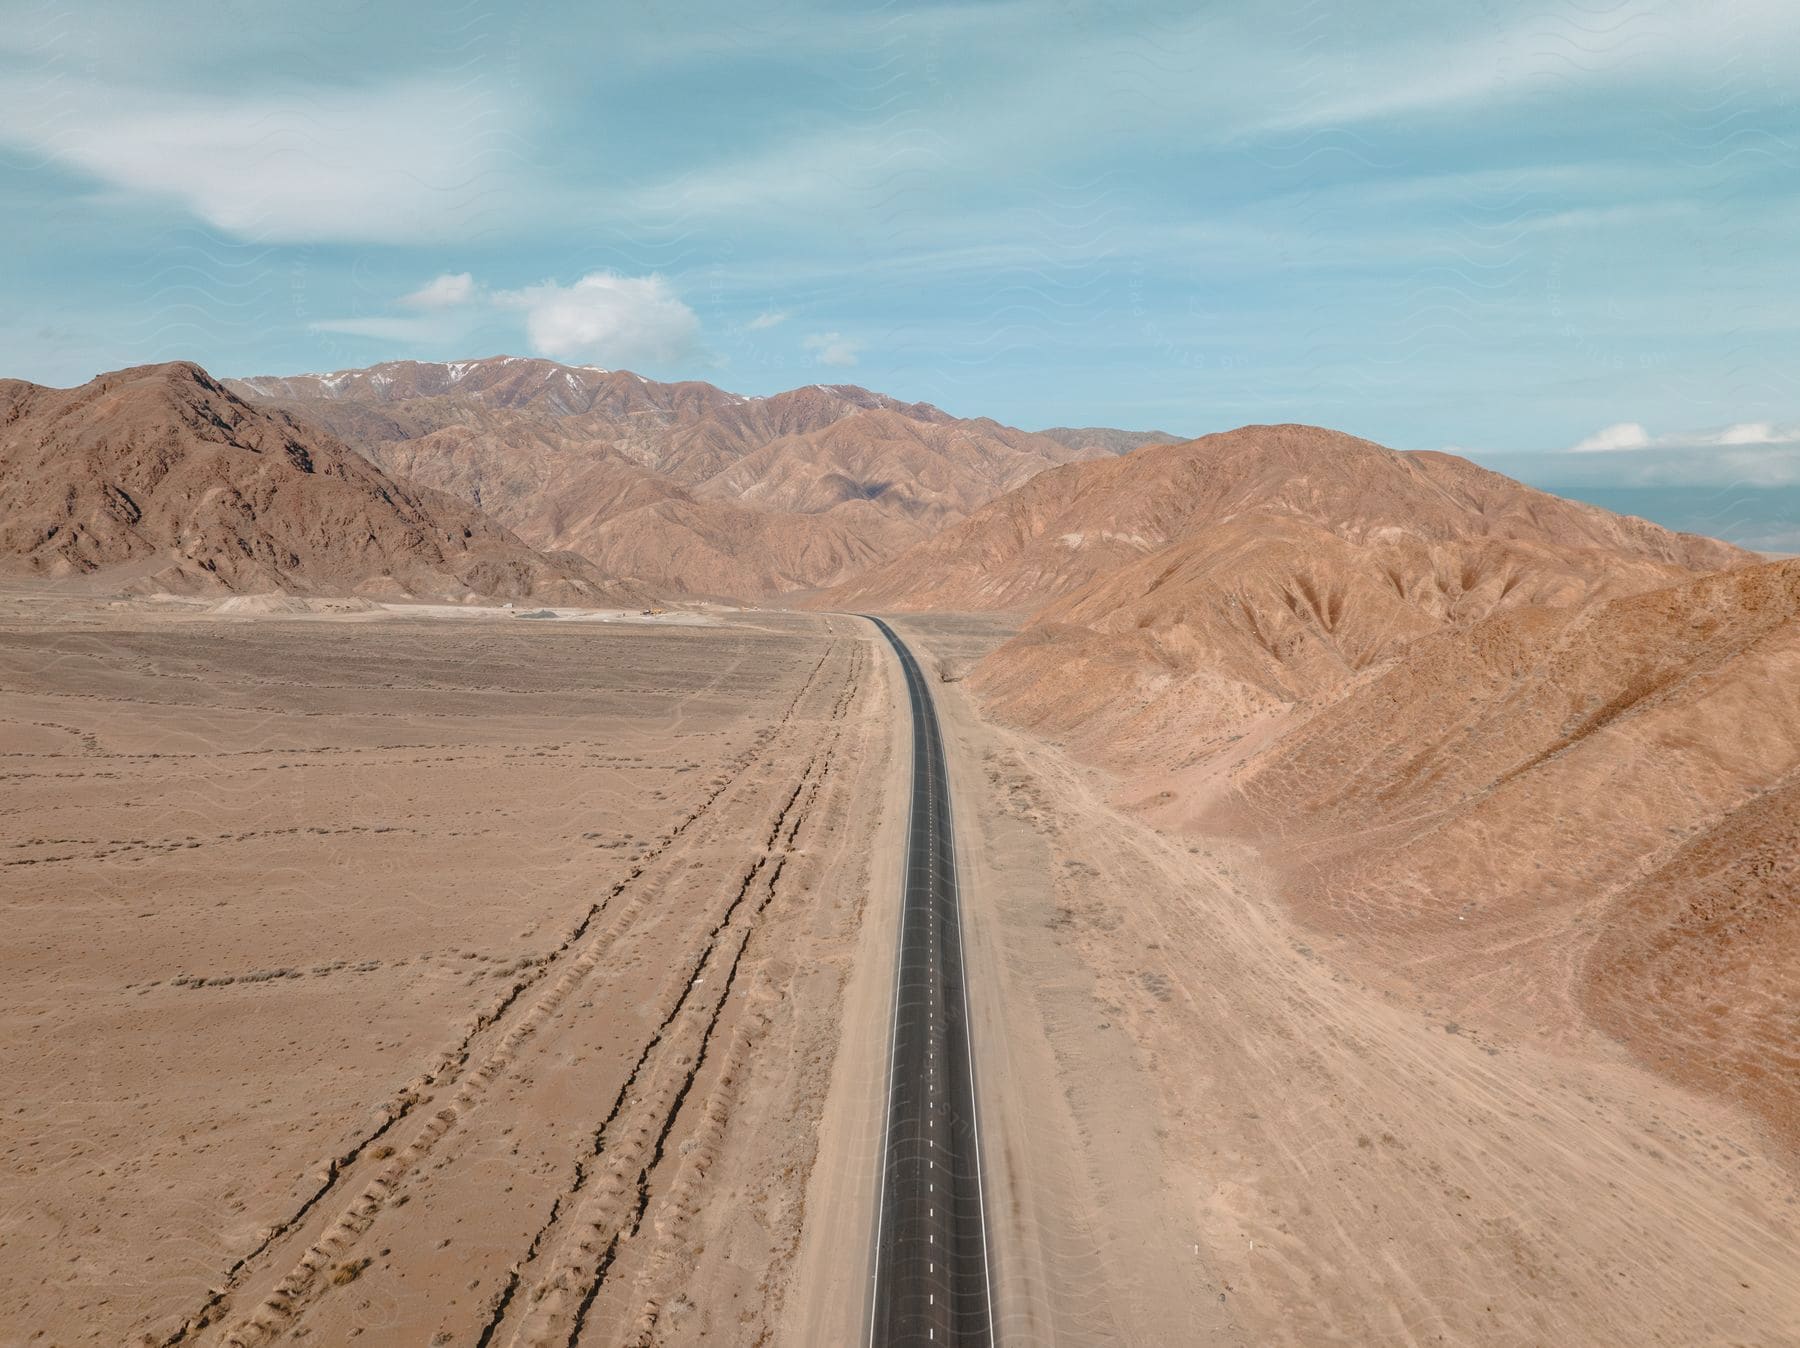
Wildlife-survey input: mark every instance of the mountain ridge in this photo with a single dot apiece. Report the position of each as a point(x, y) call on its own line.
point(1073, 524)
point(761, 496)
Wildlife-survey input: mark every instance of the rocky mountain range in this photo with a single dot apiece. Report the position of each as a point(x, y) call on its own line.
point(683, 488)
point(1083, 522)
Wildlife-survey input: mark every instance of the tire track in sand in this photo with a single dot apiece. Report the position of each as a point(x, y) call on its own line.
point(633, 1136)
point(286, 1299)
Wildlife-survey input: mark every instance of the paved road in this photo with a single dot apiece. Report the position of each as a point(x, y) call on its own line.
point(931, 1276)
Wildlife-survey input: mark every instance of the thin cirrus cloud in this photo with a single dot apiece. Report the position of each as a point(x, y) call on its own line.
point(768, 318)
point(1231, 77)
point(603, 316)
point(1444, 63)
point(413, 160)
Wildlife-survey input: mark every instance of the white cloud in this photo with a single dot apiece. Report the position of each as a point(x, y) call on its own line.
point(767, 319)
point(406, 162)
point(1626, 435)
point(1620, 435)
point(833, 348)
point(603, 316)
point(1756, 433)
point(442, 292)
point(606, 317)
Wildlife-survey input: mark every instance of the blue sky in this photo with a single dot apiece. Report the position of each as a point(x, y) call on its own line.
point(1495, 227)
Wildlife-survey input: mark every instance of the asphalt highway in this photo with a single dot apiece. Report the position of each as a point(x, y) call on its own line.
point(931, 1276)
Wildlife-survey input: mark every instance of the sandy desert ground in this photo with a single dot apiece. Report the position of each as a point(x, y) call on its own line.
point(429, 981)
point(424, 978)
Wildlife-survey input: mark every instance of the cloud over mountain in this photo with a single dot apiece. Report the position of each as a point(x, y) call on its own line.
point(606, 317)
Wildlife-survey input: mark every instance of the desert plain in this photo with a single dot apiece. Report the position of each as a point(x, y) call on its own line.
point(375, 975)
point(408, 975)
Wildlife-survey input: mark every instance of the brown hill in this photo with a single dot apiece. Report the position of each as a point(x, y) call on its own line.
point(1561, 808)
point(1301, 561)
point(161, 476)
point(715, 549)
point(654, 480)
point(1070, 526)
point(687, 431)
point(1526, 754)
point(1698, 966)
point(925, 472)
point(1192, 642)
point(633, 523)
point(1107, 439)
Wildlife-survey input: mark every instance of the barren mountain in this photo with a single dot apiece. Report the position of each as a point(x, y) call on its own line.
point(1557, 808)
point(1205, 585)
point(634, 474)
point(1300, 559)
point(162, 476)
point(925, 472)
point(1107, 439)
point(1073, 525)
point(716, 549)
point(1538, 764)
point(687, 431)
point(1192, 642)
